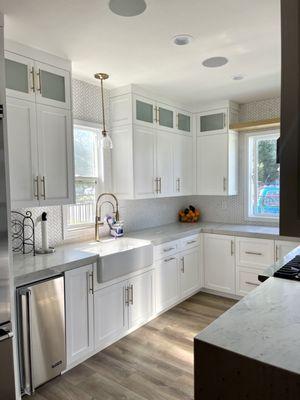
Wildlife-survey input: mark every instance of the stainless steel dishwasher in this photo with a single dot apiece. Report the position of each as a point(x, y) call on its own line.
point(41, 323)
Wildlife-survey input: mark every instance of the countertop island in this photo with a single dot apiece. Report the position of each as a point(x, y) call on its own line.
point(253, 349)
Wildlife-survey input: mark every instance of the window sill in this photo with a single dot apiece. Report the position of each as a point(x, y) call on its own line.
point(265, 220)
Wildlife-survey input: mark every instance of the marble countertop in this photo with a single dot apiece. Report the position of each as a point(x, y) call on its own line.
point(264, 325)
point(28, 269)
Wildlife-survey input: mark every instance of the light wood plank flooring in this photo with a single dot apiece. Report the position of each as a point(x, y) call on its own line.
point(153, 363)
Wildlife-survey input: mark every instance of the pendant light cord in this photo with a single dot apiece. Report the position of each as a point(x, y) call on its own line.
point(103, 113)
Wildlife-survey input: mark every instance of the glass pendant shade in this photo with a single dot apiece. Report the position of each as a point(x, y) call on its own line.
point(106, 142)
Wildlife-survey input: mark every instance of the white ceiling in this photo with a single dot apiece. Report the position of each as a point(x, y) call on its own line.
point(139, 49)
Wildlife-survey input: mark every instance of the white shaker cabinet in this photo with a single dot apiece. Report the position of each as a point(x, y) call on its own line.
point(40, 131)
point(183, 165)
point(190, 271)
point(55, 155)
point(165, 163)
point(167, 290)
point(217, 172)
point(144, 159)
point(219, 263)
point(283, 247)
point(111, 317)
point(23, 152)
point(40, 154)
point(141, 298)
point(79, 313)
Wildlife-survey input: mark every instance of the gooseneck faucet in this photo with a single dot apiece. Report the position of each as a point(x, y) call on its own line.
point(115, 209)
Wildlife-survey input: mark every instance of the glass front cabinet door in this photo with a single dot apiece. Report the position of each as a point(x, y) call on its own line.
point(34, 81)
point(52, 86)
point(183, 122)
point(213, 122)
point(165, 116)
point(19, 76)
point(144, 111)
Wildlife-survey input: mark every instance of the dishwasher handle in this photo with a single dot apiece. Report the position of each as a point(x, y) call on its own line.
point(25, 341)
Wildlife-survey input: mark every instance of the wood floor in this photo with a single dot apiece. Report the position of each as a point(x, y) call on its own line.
point(153, 363)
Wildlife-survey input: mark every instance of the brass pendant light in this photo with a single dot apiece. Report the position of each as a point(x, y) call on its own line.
point(106, 139)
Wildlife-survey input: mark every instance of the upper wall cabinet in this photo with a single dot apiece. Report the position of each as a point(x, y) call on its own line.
point(35, 81)
point(128, 108)
point(217, 164)
point(40, 134)
point(153, 147)
point(216, 120)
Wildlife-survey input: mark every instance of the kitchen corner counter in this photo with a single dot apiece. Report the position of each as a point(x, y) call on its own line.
point(178, 230)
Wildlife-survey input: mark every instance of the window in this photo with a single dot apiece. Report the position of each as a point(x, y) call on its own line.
point(263, 176)
point(88, 170)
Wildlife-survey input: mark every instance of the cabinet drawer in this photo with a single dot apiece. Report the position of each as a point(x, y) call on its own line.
point(190, 242)
point(166, 249)
point(247, 280)
point(256, 253)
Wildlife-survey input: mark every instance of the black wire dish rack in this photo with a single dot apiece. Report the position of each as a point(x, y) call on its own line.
point(23, 232)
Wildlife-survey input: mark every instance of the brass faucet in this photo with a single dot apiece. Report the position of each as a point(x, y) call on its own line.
point(98, 221)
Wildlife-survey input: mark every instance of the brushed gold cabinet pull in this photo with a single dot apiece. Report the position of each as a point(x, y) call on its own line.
point(253, 253)
point(131, 294)
point(32, 79)
point(43, 180)
point(158, 115)
point(37, 192)
point(252, 283)
point(224, 184)
point(127, 296)
point(39, 88)
point(182, 265)
point(232, 247)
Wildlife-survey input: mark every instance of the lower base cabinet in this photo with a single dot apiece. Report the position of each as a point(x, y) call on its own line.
point(219, 263)
point(79, 314)
point(177, 277)
point(166, 283)
point(122, 306)
point(190, 272)
point(110, 317)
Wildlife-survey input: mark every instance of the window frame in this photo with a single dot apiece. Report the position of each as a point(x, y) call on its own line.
point(247, 178)
point(85, 229)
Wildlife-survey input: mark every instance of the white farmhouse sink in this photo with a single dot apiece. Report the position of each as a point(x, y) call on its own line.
point(118, 257)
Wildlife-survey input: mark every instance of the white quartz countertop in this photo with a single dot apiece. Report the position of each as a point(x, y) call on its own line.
point(28, 269)
point(264, 325)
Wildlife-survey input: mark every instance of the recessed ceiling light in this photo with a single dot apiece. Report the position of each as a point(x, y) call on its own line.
point(215, 62)
point(238, 77)
point(127, 8)
point(182, 40)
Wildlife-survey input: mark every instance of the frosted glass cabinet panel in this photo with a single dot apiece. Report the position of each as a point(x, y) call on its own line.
point(183, 122)
point(213, 122)
point(16, 75)
point(53, 86)
point(165, 117)
point(144, 111)
point(19, 76)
